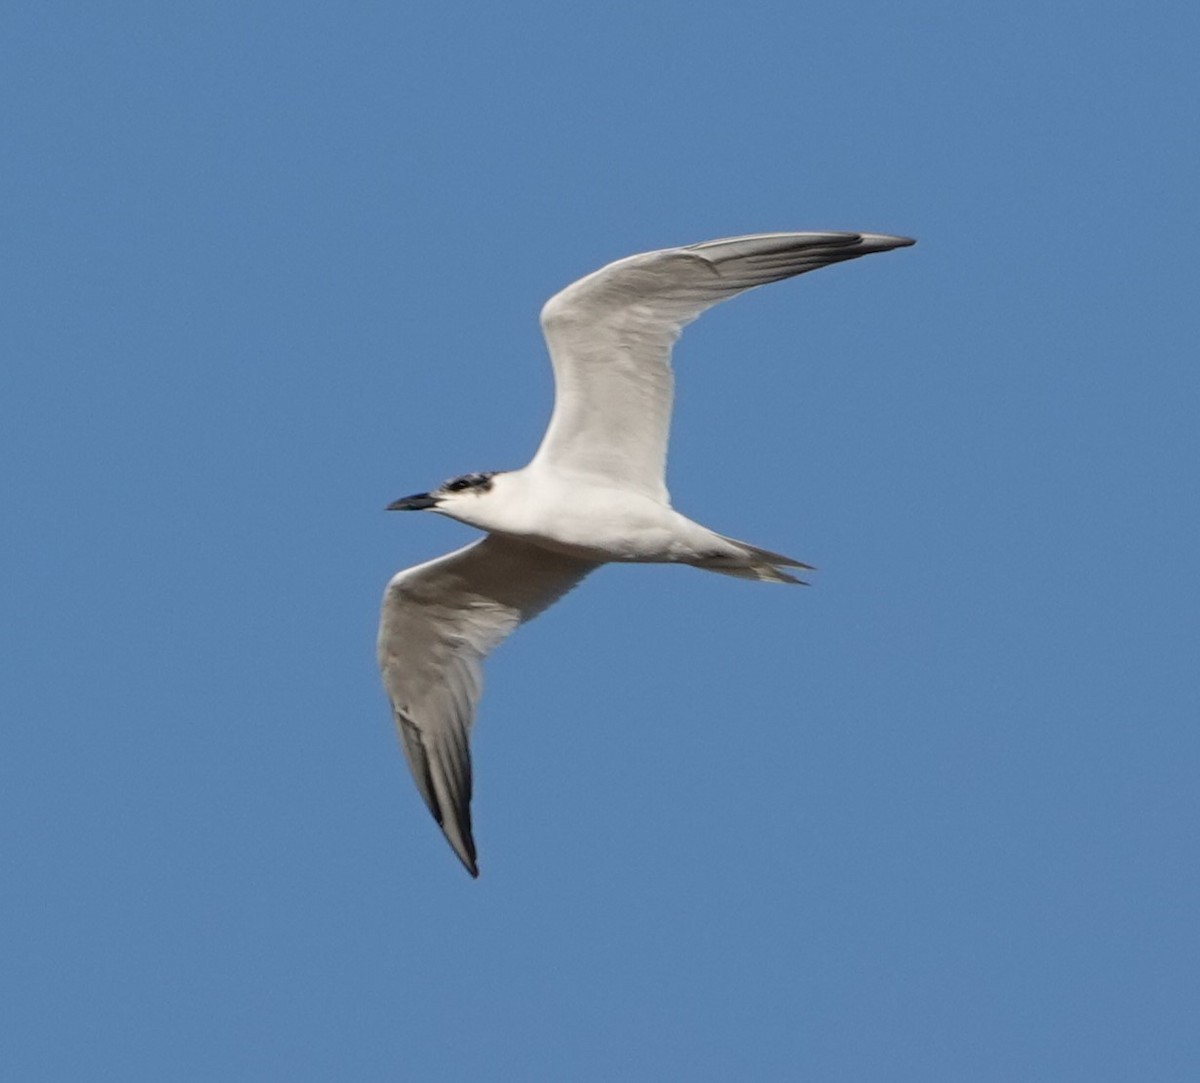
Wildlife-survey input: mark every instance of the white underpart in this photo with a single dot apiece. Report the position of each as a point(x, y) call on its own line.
point(594, 493)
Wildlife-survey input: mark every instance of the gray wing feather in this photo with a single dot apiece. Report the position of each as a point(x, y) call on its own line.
point(439, 621)
point(610, 337)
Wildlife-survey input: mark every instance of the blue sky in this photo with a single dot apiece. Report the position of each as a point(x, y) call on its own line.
point(269, 266)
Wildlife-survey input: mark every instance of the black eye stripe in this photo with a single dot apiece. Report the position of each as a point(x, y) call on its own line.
point(468, 481)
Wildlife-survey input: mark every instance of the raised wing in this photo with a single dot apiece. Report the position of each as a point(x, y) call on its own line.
point(439, 621)
point(610, 337)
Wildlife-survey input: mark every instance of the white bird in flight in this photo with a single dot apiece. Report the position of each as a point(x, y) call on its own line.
point(594, 493)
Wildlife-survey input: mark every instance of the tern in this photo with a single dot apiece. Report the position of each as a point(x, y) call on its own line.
point(594, 493)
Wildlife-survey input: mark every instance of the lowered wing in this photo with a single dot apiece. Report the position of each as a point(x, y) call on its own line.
point(439, 621)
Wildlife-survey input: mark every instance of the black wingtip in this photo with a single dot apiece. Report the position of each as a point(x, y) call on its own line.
point(461, 841)
point(467, 857)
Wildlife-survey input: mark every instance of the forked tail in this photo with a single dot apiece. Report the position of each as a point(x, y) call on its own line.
point(750, 562)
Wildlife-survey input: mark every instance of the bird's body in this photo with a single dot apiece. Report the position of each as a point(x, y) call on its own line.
point(588, 518)
point(594, 493)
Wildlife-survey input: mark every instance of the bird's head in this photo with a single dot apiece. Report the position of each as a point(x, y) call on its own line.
point(461, 498)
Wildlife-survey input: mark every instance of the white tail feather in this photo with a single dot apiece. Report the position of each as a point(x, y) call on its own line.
point(752, 562)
